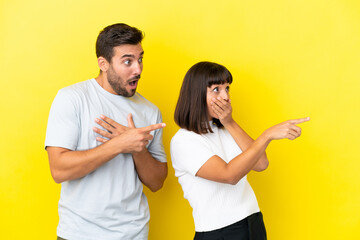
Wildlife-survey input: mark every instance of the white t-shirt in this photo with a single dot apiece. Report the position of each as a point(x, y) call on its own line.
point(108, 203)
point(215, 205)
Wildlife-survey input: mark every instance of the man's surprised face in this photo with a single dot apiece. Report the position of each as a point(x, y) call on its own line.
point(125, 69)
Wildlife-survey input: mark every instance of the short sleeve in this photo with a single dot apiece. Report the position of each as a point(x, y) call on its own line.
point(189, 151)
point(156, 146)
point(63, 124)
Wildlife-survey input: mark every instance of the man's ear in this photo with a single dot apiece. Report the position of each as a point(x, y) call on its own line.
point(103, 64)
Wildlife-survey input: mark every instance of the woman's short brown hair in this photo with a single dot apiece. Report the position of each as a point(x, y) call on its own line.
point(191, 110)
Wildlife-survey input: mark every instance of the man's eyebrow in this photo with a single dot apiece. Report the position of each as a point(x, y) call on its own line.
point(131, 55)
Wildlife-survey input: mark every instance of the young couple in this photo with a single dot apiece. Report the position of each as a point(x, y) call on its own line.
point(102, 171)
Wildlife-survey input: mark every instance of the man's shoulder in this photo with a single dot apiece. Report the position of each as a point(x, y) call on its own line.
point(76, 90)
point(77, 87)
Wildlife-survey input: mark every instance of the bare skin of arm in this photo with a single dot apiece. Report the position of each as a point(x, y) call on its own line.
point(68, 165)
point(244, 141)
point(151, 172)
point(253, 156)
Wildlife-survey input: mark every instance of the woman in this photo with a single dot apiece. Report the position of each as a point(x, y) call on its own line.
point(212, 155)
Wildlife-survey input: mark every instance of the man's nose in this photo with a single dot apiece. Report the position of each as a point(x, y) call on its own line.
point(138, 68)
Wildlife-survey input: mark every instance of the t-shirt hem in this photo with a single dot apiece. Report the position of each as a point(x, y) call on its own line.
point(196, 168)
point(67, 146)
point(219, 226)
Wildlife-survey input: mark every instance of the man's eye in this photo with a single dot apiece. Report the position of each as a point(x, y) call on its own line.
point(127, 62)
point(140, 60)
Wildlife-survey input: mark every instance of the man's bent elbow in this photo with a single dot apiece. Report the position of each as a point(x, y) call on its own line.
point(57, 176)
point(160, 182)
point(156, 187)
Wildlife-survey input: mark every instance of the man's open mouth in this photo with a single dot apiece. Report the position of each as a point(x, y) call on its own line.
point(133, 83)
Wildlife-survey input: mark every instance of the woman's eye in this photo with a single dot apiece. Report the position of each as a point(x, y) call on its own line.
point(227, 89)
point(216, 89)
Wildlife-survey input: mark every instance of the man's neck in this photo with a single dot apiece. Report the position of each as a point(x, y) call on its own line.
point(103, 82)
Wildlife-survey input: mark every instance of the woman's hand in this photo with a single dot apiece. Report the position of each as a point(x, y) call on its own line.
point(223, 110)
point(287, 129)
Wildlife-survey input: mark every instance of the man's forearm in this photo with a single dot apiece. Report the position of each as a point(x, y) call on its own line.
point(151, 172)
point(67, 165)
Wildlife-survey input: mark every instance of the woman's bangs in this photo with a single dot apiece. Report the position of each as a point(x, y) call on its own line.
point(219, 78)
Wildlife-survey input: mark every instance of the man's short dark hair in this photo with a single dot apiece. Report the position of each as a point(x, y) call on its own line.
point(116, 35)
point(191, 110)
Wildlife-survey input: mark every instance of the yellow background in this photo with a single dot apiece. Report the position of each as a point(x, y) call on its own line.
point(289, 59)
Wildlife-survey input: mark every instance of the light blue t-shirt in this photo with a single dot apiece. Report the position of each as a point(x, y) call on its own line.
point(108, 203)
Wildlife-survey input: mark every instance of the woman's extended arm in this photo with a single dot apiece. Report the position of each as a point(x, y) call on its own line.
point(253, 155)
point(244, 141)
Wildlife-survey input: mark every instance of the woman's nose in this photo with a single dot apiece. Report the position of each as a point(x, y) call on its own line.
point(225, 95)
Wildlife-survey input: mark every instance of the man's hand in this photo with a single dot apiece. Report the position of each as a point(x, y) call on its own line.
point(113, 128)
point(133, 139)
point(130, 139)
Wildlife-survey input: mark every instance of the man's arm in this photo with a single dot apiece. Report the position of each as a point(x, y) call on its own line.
point(67, 165)
point(151, 172)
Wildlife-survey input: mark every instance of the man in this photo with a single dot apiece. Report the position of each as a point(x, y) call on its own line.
point(101, 169)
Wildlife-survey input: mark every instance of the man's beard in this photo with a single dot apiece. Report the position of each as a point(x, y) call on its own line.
point(117, 84)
